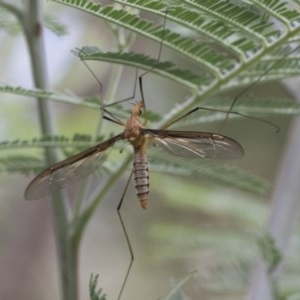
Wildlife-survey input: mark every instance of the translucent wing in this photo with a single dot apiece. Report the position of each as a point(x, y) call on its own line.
point(69, 170)
point(196, 144)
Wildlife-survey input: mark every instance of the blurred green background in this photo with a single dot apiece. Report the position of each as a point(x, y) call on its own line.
point(190, 223)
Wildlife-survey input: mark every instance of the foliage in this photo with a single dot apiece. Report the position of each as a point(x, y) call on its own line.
point(270, 252)
point(235, 46)
point(95, 294)
point(227, 45)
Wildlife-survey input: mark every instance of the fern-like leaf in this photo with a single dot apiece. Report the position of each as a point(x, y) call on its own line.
point(23, 164)
point(270, 252)
point(80, 141)
point(50, 95)
point(224, 174)
point(233, 44)
point(95, 294)
point(55, 26)
point(141, 61)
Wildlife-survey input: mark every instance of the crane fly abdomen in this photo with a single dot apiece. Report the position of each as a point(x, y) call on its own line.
point(141, 176)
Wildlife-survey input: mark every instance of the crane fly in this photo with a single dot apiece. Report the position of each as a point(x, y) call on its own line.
point(192, 144)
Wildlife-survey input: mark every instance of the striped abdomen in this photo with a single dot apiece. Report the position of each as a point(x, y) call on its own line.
point(141, 176)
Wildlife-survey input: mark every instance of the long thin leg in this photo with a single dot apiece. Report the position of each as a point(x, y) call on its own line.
point(157, 60)
point(126, 237)
point(100, 85)
point(130, 97)
point(228, 112)
point(223, 111)
point(129, 179)
point(255, 83)
point(96, 78)
point(112, 118)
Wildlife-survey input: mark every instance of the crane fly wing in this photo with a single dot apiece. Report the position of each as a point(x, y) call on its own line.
point(195, 144)
point(69, 170)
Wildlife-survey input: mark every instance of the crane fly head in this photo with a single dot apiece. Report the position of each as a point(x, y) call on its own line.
point(138, 109)
point(141, 106)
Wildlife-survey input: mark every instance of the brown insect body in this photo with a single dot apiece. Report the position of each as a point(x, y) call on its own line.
point(139, 142)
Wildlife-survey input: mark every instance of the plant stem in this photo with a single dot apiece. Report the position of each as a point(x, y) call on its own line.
point(32, 22)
